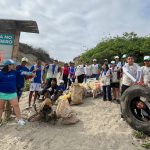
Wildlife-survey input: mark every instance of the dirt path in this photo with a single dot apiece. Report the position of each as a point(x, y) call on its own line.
point(100, 128)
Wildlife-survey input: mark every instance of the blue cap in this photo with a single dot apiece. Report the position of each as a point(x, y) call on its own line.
point(9, 62)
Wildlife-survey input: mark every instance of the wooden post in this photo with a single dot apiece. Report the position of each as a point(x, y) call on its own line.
point(16, 45)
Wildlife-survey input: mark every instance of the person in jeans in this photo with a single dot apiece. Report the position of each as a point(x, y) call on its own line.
point(21, 78)
point(71, 73)
point(105, 74)
point(65, 74)
point(8, 91)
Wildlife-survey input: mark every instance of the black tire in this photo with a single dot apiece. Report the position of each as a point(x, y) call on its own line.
point(126, 101)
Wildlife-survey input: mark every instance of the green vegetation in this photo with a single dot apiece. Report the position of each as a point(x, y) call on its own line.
point(139, 135)
point(146, 145)
point(129, 43)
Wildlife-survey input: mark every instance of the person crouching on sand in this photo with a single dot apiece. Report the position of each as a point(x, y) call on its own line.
point(8, 79)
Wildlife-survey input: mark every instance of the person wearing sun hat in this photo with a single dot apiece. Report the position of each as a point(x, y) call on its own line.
point(8, 79)
point(145, 77)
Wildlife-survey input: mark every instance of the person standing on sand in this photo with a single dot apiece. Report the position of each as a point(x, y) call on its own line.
point(65, 74)
point(36, 82)
point(95, 69)
point(88, 71)
point(71, 73)
point(115, 81)
point(131, 73)
point(145, 77)
point(21, 78)
point(105, 74)
point(80, 73)
point(8, 92)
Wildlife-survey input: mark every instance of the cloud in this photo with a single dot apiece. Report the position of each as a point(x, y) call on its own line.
point(69, 27)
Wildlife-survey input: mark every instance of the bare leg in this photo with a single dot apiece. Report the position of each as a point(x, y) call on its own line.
point(30, 98)
point(2, 103)
point(117, 92)
point(114, 93)
point(16, 107)
point(35, 97)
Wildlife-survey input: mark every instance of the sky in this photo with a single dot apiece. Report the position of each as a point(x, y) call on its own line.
point(70, 27)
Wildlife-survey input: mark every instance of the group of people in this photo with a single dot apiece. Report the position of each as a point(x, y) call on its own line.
point(45, 77)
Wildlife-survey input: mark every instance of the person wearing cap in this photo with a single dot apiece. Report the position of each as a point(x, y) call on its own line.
point(72, 70)
point(21, 79)
point(52, 71)
point(105, 79)
point(95, 69)
point(80, 73)
point(118, 63)
point(124, 57)
point(8, 92)
point(36, 81)
point(115, 81)
point(131, 73)
point(145, 76)
point(88, 71)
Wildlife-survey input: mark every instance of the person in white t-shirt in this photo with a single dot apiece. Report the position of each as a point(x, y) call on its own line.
point(88, 70)
point(118, 63)
point(105, 79)
point(145, 77)
point(95, 69)
point(115, 80)
point(80, 73)
point(131, 73)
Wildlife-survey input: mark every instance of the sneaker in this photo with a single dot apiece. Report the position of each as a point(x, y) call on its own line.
point(21, 122)
point(28, 107)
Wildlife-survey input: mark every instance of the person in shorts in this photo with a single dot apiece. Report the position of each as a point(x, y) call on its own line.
point(8, 92)
point(36, 82)
point(115, 83)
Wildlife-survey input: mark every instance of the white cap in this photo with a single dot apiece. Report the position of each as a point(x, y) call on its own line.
point(147, 58)
point(112, 62)
point(24, 59)
point(116, 57)
point(61, 81)
point(94, 60)
point(124, 56)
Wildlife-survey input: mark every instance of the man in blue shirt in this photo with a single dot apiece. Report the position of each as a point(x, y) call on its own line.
point(21, 78)
point(36, 82)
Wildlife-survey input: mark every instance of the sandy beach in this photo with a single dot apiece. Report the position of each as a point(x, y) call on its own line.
point(100, 128)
